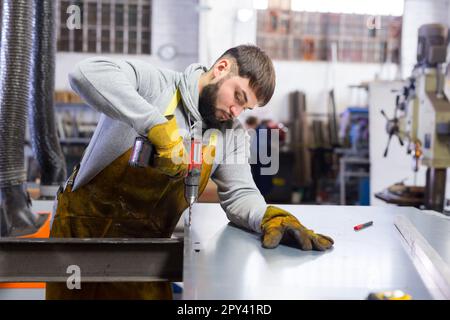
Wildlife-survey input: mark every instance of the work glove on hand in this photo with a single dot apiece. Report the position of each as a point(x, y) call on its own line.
point(170, 155)
point(279, 225)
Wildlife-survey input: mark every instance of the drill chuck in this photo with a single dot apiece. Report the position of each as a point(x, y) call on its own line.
point(191, 194)
point(191, 182)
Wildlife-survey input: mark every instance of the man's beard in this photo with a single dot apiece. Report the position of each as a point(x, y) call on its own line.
point(207, 107)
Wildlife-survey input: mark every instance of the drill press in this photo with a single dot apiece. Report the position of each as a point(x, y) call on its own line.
point(424, 120)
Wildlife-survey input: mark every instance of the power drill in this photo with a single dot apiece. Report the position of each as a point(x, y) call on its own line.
point(192, 179)
point(143, 153)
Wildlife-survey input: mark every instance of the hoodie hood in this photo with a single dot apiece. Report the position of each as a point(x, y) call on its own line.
point(189, 88)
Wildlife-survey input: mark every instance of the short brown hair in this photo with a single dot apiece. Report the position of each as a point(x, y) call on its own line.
point(255, 65)
point(251, 121)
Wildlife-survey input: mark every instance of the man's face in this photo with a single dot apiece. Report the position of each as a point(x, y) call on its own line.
point(224, 99)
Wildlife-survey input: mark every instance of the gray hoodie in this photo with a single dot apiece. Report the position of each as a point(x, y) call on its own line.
point(132, 96)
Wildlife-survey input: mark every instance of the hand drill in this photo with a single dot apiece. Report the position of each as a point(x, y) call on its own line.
point(192, 179)
point(141, 158)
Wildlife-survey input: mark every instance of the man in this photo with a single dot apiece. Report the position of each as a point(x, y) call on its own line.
point(251, 123)
point(261, 141)
point(106, 197)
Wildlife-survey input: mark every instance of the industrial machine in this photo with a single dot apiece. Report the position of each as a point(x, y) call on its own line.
point(422, 119)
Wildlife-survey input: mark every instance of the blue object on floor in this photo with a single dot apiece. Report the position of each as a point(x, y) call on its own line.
point(176, 288)
point(364, 191)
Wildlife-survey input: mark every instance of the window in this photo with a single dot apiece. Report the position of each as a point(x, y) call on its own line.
point(107, 26)
point(300, 35)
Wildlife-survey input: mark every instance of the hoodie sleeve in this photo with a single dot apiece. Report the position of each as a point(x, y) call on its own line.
point(117, 88)
point(239, 197)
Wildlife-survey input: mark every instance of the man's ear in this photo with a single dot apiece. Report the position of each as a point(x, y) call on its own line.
point(222, 68)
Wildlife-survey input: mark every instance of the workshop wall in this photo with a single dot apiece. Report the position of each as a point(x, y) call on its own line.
point(204, 29)
point(224, 24)
point(175, 26)
point(221, 28)
point(316, 79)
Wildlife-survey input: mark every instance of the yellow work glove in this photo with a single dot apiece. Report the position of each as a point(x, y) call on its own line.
point(170, 154)
point(279, 225)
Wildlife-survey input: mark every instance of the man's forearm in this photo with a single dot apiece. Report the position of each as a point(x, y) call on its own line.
point(111, 87)
point(239, 196)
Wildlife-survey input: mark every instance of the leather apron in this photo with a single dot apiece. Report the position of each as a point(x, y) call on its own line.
point(123, 202)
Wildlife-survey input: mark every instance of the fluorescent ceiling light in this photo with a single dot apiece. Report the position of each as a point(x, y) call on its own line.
point(244, 15)
point(260, 4)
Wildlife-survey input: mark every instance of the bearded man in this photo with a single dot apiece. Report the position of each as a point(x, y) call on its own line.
point(105, 197)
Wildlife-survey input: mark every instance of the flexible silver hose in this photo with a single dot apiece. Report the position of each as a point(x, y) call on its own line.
point(44, 140)
point(15, 67)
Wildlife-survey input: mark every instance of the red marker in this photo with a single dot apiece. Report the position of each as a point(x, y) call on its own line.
point(362, 226)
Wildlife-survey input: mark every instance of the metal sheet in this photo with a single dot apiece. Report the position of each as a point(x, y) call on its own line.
point(224, 262)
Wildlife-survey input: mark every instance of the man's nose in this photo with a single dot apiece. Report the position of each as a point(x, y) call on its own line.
point(236, 111)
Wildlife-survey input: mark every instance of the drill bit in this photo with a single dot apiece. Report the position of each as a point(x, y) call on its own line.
point(191, 197)
point(190, 214)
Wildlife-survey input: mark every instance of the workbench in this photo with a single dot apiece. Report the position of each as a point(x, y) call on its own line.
point(222, 261)
point(405, 249)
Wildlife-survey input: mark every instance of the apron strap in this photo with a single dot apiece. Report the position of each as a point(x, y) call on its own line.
point(170, 110)
point(213, 139)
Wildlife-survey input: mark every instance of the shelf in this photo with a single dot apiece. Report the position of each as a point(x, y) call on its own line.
point(71, 106)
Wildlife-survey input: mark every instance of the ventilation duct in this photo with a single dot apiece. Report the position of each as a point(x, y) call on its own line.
point(44, 140)
point(16, 217)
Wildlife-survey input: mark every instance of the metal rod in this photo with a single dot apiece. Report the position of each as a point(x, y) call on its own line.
point(99, 260)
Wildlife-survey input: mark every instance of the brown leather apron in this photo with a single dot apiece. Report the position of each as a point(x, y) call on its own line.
point(123, 202)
